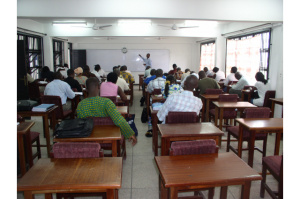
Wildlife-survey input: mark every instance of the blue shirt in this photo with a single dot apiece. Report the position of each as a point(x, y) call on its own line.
point(61, 89)
point(147, 80)
point(148, 61)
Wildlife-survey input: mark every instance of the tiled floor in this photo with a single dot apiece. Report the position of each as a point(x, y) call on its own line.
point(140, 174)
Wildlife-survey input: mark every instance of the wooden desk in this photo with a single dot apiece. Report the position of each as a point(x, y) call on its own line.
point(186, 131)
point(158, 99)
point(119, 101)
point(221, 84)
point(154, 131)
point(141, 80)
point(68, 175)
point(247, 92)
point(45, 116)
point(206, 100)
point(276, 101)
point(100, 134)
point(262, 125)
point(124, 110)
point(185, 172)
point(23, 129)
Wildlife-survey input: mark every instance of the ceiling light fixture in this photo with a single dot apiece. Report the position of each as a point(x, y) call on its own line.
point(134, 23)
point(69, 23)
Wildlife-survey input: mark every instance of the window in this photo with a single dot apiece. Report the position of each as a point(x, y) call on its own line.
point(70, 54)
point(58, 53)
point(207, 55)
point(250, 54)
point(34, 52)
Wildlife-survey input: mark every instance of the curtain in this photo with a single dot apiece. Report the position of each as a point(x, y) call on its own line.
point(207, 56)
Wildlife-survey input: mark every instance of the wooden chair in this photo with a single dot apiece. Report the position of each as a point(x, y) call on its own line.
point(210, 91)
point(269, 94)
point(34, 92)
point(260, 112)
point(108, 121)
point(230, 83)
point(156, 91)
point(175, 117)
point(77, 150)
point(274, 164)
point(191, 148)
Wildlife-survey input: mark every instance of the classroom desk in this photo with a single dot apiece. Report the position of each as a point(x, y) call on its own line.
point(186, 131)
point(45, 116)
point(141, 80)
point(101, 134)
point(154, 131)
point(221, 84)
point(205, 108)
point(158, 99)
point(124, 110)
point(262, 125)
point(247, 92)
point(276, 101)
point(119, 101)
point(184, 172)
point(72, 175)
point(240, 106)
point(23, 129)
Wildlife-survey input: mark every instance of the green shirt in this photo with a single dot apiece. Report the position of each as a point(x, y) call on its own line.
point(205, 83)
point(103, 107)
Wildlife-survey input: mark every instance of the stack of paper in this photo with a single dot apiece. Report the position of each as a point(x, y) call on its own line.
point(78, 93)
point(42, 107)
point(157, 105)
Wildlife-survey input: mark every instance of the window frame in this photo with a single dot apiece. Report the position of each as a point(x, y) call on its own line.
point(59, 53)
point(207, 42)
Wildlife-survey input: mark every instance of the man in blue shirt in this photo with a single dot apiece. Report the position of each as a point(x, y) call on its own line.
point(148, 61)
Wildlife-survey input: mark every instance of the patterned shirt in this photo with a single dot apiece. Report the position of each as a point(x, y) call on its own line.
point(103, 107)
point(158, 83)
point(127, 76)
point(183, 102)
point(173, 88)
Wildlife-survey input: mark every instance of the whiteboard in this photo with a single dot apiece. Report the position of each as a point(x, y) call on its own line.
point(107, 59)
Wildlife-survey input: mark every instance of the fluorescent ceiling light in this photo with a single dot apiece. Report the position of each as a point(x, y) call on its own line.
point(201, 23)
point(69, 23)
point(135, 23)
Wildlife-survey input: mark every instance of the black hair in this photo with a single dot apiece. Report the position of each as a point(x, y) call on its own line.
point(170, 78)
point(66, 65)
point(97, 67)
point(70, 72)
point(216, 69)
point(86, 68)
point(186, 70)
point(174, 66)
point(45, 69)
point(123, 68)
point(115, 67)
point(57, 75)
point(234, 69)
point(92, 81)
point(112, 77)
point(260, 77)
point(178, 68)
point(152, 72)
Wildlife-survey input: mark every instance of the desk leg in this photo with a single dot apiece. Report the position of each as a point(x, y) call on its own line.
point(53, 121)
point(251, 149)
point(28, 195)
point(249, 97)
point(240, 141)
point(119, 148)
point(110, 194)
point(163, 147)
point(48, 195)
point(155, 135)
point(223, 192)
point(207, 111)
point(220, 125)
point(46, 124)
point(277, 143)
point(163, 192)
point(216, 116)
point(243, 96)
point(167, 146)
point(148, 103)
point(272, 109)
point(29, 148)
point(173, 193)
point(21, 154)
point(114, 152)
point(246, 190)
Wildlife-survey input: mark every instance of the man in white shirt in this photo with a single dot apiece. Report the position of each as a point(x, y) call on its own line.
point(101, 72)
point(61, 89)
point(121, 82)
point(148, 61)
point(96, 72)
point(208, 72)
point(230, 78)
point(218, 74)
point(237, 88)
point(157, 83)
point(187, 73)
point(63, 70)
point(147, 71)
point(183, 102)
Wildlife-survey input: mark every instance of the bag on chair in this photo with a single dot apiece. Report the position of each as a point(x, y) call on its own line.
point(144, 117)
point(130, 120)
point(75, 128)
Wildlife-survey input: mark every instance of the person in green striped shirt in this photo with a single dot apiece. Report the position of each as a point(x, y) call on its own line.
point(96, 106)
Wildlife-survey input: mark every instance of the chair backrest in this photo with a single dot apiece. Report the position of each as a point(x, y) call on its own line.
point(112, 98)
point(210, 91)
point(267, 101)
point(181, 117)
point(20, 119)
point(247, 87)
point(74, 90)
point(102, 121)
point(76, 150)
point(193, 147)
point(52, 99)
point(33, 90)
point(259, 112)
point(228, 98)
point(196, 93)
point(156, 91)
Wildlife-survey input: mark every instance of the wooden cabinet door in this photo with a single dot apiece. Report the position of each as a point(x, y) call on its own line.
point(22, 83)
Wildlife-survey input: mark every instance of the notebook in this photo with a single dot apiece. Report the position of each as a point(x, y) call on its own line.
point(42, 107)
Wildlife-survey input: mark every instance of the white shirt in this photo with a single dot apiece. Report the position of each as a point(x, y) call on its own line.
point(185, 75)
point(229, 78)
point(102, 73)
point(97, 75)
point(209, 73)
point(183, 102)
point(147, 72)
point(127, 71)
point(61, 89)
point(157, 83)
point(63, 72)
point(122, 84)
point(261, 89)
point(147, 61)
point(241, 83)
point(219, 75)
point(182, 82)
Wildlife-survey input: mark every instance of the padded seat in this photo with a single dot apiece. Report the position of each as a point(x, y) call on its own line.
point(34, 135)
point(193, 147)
point(76, 150)
point(226, 114)
point(274, 163)
point(234, 131)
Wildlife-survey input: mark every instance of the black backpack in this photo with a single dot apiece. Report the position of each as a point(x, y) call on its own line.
point(144, 117)
point(80, 127)
point(26, 105)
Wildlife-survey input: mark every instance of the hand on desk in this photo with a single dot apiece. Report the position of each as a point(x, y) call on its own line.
point(134, 140)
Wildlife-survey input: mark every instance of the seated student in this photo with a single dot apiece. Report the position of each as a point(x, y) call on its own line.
point(192, 73)
point(95, 106)
point(178, 73)
point(187, 73)
point(96, 70)
point(126, 76)
point(63, 70)
point(205, 83)
point(230, 77)
point(184, 101)
point(71, 81)
point(208, 72)
point(121, 82)
point(237, 88)
point(152, 77)
point(79, 77)
point(127, 71)
point(172, 72)
point(158, 82)
point(171, 87)
point(110, 88)
point(87, 73)
point(101, 72)
point(147, 71)
point(262, 87)
point(218, 74)
point(47, 74)
point(61, 89)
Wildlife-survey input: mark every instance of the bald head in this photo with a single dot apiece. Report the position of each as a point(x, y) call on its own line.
point(57, 75)
point(159, 73)
point(190, 83)
point(152, 72)
point(92, 86)
point(202, 74)
point(238, 75)
point(205, 69)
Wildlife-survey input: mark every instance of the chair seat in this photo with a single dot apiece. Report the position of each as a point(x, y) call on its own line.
point(34, 135)
point(274, 163)
point(193, 147)
point(67, 112)
point(226, 114)
point(234, 130)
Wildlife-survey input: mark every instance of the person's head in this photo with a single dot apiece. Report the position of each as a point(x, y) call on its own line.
point(112, 77)
point(93, 86)
point(148, 67)
point(216, 69)
point(152, 72)
point(78, 71)
point(192, 72)
point(202, 74)
point(169, 81)
point(66, 65)
point(159, 73)
point(190, 83)
point(71, 73)
point(117, 71)
point(205, 69)
point(174, 66)
point(86, 69)
point(187, 70)
point(97, 67)
point(57, 75)
point(148, 55)
point(45, 69)
point(233, 69)
point(115, 67)
point(123, 68)
point(238, 75)
point(178, 69)
point(260, 77)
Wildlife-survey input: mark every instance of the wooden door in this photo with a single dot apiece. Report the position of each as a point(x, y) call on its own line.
point(22, 83)
point(78, 59)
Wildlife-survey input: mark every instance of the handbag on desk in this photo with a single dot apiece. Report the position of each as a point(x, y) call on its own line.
point(80, 127)
point(26, 105)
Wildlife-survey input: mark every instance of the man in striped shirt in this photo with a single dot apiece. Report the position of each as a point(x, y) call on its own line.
point(183, 102)
point(157, 83)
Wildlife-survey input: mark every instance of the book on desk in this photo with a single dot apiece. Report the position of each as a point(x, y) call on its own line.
point(42, 107)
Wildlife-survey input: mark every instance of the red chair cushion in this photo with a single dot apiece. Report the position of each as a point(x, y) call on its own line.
point(226, 114)
point(234, 131)
point(76, 150)
point(102, 121)
point(67, 112)
point(210, 91)
point(34, 135)
point(174, 117)
point(193, 147)
point(274, 163)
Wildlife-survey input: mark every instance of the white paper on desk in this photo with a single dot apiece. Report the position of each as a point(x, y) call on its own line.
point(160, 95)
point(43, 82)
point(78, 93)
